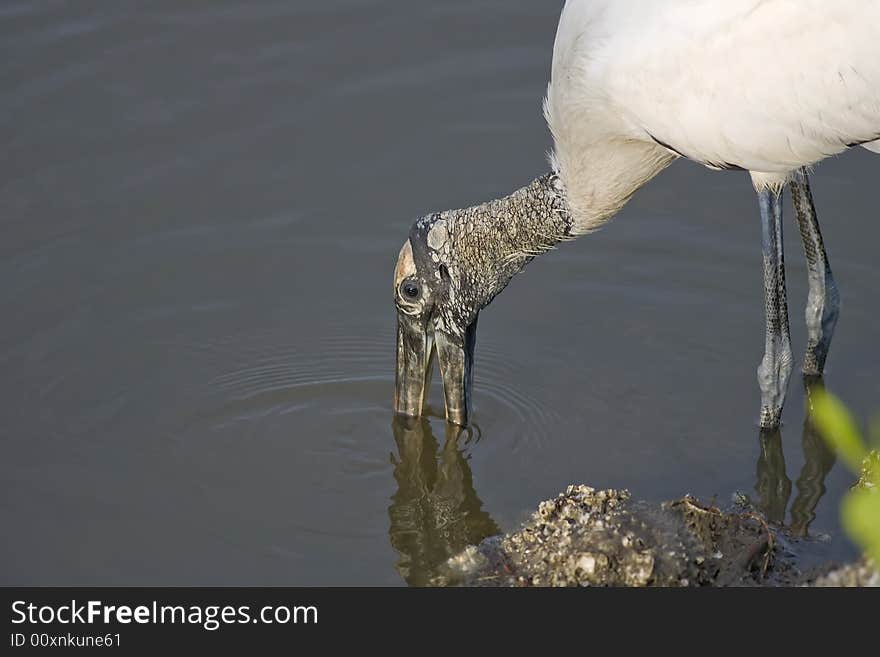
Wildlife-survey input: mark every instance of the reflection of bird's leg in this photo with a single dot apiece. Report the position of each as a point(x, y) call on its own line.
point(773, 485)
point(823, 301)
point(818, 461)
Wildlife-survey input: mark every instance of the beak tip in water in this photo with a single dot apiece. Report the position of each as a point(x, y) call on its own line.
point(417, 346)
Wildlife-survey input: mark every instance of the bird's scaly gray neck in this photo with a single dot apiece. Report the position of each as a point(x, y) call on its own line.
point(484, 246)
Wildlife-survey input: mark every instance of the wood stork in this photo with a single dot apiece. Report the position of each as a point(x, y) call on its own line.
point(765, 86)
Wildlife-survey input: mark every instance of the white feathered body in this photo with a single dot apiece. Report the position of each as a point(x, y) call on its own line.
point(762, 85)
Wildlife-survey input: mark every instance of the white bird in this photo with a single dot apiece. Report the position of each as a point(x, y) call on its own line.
point(766, 86)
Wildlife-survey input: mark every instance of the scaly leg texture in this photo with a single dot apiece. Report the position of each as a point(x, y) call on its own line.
point(823, 301)
point(775, 367)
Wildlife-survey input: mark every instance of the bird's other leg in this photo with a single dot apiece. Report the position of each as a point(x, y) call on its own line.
point(823, 301)
point(775, 367)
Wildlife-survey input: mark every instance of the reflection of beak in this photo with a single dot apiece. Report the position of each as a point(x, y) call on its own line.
point(416, 343)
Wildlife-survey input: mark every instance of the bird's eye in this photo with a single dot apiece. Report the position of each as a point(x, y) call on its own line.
point(410, 290)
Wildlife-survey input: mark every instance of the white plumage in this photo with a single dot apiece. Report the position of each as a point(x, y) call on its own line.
point(764, 85)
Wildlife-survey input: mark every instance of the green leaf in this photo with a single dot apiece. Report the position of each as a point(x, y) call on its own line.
point(838, 428)
point(860, 513)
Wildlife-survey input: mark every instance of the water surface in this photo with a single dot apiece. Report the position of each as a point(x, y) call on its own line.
point(201, 206)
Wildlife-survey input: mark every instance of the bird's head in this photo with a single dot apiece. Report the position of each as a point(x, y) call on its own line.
point(437, 307)
point(451, 267)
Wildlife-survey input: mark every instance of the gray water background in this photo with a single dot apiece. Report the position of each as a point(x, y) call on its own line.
point(201, 204)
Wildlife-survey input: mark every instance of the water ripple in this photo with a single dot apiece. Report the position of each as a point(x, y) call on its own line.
point(334, 373)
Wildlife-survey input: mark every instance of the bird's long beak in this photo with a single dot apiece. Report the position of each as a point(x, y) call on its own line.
point(456, 368)
point(415, 356)
point(416, 343)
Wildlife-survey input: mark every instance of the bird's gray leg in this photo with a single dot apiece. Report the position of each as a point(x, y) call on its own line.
point(775, 367)
point(823, 301)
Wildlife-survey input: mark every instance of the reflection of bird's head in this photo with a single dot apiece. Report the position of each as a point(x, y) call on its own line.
point(435, 512)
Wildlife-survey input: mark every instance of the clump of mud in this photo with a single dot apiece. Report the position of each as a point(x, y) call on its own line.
point(861, 573)
point(588, 537)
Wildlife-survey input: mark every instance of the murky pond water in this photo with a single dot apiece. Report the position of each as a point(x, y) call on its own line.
point(201, 206)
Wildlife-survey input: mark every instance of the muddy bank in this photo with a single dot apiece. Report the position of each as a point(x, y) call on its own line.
point(588, 537)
